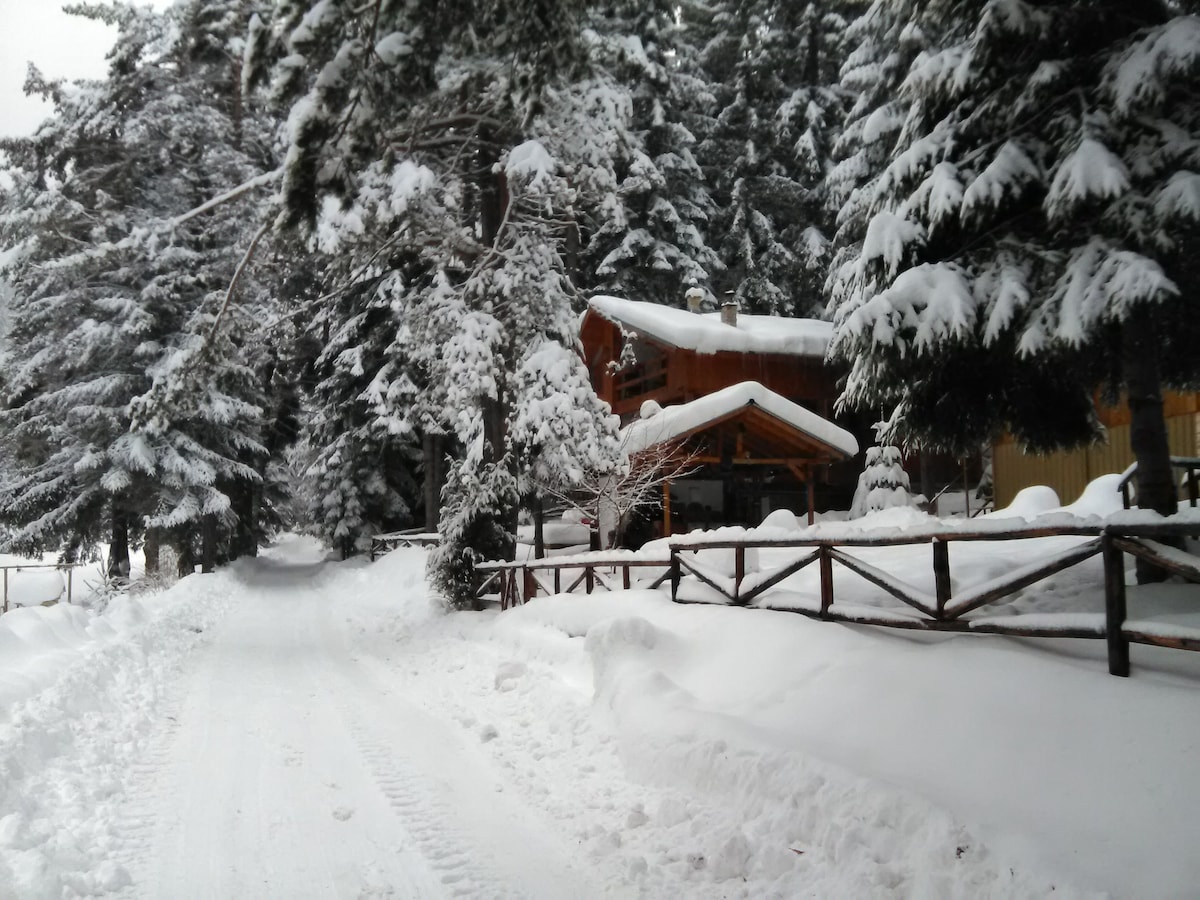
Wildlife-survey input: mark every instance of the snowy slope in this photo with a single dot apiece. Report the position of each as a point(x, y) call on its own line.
point(294, 727)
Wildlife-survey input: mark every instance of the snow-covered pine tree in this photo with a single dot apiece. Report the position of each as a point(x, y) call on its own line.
point(111, 279)
point(401, 152)
point(883, 483)
point(649, 241)
point(773, 67)
point(1029, 237)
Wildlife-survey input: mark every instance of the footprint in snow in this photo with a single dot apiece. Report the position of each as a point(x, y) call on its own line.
point(342, 813)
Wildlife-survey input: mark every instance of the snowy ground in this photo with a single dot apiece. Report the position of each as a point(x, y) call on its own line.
point(292, 727)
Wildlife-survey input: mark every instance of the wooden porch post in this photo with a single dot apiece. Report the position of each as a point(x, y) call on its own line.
point(812, 503)
point(667, 508)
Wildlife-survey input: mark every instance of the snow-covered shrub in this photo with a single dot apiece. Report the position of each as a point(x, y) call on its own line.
point(883, 484)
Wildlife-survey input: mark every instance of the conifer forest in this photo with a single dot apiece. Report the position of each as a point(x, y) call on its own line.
point(320, 263)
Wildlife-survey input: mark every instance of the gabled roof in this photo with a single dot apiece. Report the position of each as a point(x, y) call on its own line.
point(706, 333)
point(687, 418)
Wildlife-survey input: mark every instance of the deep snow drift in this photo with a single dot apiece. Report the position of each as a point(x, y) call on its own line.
point(294, 727)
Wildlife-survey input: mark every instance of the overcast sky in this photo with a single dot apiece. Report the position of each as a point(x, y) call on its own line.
point(65, 46)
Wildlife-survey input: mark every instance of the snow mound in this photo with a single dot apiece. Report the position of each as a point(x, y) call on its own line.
point(1101, 497)
point(782, 518)
point(1029, 503)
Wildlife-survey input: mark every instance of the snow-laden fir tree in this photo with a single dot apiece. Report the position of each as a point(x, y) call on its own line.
point(773, 68)
point(650, 239)
point(408, 166)
point(111, 283)
point(882, 484)
point(1030, 236)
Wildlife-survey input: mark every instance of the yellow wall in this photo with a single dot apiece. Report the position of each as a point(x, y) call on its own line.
point(1069, 473)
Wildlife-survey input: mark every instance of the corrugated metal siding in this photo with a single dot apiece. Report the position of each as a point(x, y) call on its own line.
point(1069, 473)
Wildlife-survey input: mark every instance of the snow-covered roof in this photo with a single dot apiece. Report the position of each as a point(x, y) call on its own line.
point(684, 418)
point(706, 333)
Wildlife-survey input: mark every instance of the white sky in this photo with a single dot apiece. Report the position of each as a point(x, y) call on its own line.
point(63, 46)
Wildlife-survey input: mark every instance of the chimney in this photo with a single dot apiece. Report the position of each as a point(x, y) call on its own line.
point(729, 311)
point(694, 297)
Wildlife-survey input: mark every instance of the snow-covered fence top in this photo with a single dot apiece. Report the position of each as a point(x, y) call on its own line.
point(517, 581)
point(53, 584)
point(724, 569)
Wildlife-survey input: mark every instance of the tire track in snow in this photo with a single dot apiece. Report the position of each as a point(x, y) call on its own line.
point(445, 793)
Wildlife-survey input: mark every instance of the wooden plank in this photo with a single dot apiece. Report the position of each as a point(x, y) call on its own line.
point(779, 575)
point(826, 580)
point(941, 575)
point(1114, 608)
point(1176, 561)
point(574, 584)
point(625, 577)
point(675, 574)
point(899, 589)
point(739, 572)
point(692, 567)
point(1160, 640)
point(1019, 578)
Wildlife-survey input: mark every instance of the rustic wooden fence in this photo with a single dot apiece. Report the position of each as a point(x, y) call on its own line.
point(515, 582)
point(943, 610)
point(946, 611)
point(1190, 483)
point(413, 537)
point(68, 586)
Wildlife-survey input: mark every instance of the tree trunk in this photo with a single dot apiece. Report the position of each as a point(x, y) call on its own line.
point(539, 527)
point(118, 551)
point(431, 452)
point(152, 548)
point(208, 544)
point(1147, 428)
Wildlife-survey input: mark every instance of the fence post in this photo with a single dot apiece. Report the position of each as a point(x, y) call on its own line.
point(739, 571)
point(941, 574)
point(531, 585)
point(70, 579)
point(1114, 607)
point(6, 589)
point(675, 573)
point(826, 563)
point(1193, 492)
point(558, 581)
point(589, 578)
point(625, 576)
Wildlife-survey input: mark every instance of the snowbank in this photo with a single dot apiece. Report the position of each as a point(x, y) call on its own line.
point(80, 695)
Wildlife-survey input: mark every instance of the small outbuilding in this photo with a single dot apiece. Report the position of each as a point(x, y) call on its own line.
point(745, 448)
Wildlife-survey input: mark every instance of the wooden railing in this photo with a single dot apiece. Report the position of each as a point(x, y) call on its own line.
point(413, 537)
point(1188, 464)
point(69, 568)
point(516, 582)
point(944, 610)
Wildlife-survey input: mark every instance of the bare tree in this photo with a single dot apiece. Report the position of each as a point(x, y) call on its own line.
point(609, 498)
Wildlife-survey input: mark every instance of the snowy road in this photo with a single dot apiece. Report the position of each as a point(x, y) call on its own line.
point(297, 769)
point(291, 727)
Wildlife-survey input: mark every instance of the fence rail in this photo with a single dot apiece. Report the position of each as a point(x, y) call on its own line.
point(519, 581)
point(942, 610)
point(69, 568)
point(946, 611)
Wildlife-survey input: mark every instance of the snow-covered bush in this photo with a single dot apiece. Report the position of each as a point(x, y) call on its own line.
point(883, 483)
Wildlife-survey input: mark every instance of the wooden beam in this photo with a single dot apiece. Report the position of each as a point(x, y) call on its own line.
point(667, 508)
point(899, 589)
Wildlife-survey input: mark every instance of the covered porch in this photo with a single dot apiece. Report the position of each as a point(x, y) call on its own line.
point(743, 451)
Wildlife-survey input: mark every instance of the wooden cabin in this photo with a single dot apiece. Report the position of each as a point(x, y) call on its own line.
point(748, 399)
point(638, 351)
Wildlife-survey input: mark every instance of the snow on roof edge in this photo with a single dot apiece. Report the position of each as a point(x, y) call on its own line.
point(673, 421)
point(706, 333)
